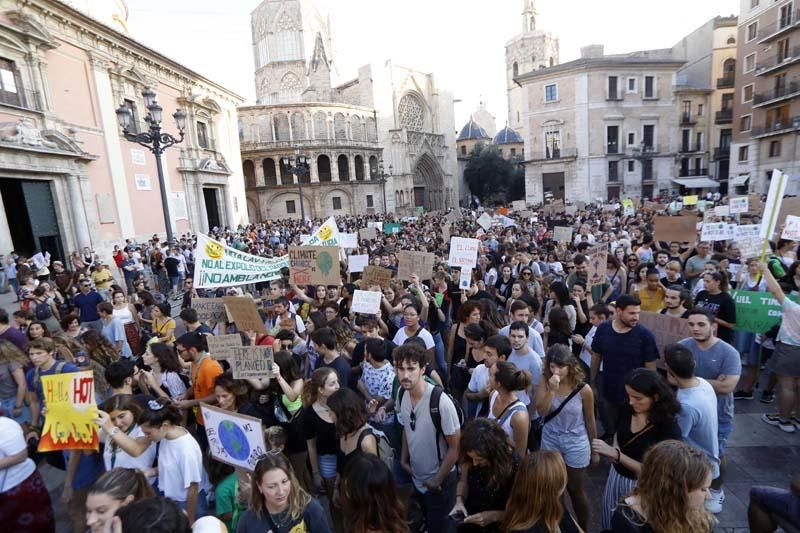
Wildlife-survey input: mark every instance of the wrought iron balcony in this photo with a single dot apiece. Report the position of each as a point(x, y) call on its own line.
point(692, 172)
point(778, 61)
point(724, 116)
point(722, 152)
point(689, 148)
point(781, 26)
point(782, 93)
point(687, 119)
point(726, 82)
point(776, 128)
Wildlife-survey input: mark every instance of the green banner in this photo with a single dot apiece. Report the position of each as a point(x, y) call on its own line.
point(390, 228)
point(756, 312)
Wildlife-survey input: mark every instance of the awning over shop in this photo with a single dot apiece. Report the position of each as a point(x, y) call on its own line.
point(697, 183)
point(738, 181)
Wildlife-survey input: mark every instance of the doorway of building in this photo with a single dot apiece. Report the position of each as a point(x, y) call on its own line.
point(210, 195)
point(553, 183)
point(31, 215)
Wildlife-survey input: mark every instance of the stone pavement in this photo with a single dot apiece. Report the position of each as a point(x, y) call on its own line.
point(758, 454)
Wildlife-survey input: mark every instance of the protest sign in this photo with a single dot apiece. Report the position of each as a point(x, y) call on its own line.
point(465, 279)
point(314, 265)
point(454, 216)
point(326, 235)
point(41, 260)
point(71, 413)
point(666, 329)
point(304, 239)
point(597, 257)
point(485, 221)
point(750, 246)
point(701, 205)
point(251, 362)
point(755, 205)
point(348, 240)
point(221, 346)
point(391, 228)
point(680, 228)
point(375, 275)
point(519, 205)
point(368, 233)
point(463, 252)
point(690, 200)
point(419, 263)
point(627, 207)
point(377, 225)
point(772, 208)
point(791, 229)
point(756, 312)
point(219, 265)
point(562, 234)
point(790, 206)
point(722, 211)
point(368, 302)
point(743, 231)
point(738, 204)
point(570, 210)
point(717, 231)
point(653, 206)
point(356, 263)
point(233, 438)
point(209, 309)
point(244, 313)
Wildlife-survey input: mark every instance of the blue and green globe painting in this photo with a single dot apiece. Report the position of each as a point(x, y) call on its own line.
point(233, 440)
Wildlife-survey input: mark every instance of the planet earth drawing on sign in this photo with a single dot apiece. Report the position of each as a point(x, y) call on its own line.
point(233, 440)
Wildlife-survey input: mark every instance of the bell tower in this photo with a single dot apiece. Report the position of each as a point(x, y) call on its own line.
point(278, 50)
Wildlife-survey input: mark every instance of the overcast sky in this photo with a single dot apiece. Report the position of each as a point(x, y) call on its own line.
point(461, 41)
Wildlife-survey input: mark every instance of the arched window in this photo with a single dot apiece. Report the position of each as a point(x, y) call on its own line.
point(270, 178)
point(298, 126)
point(411, 112)
point(359, 163)
point(320, 126)
point(356, 128)
point(281, 127)
point(324, 168)
point(373, 167)
point(249, 171)
point(344, 168)
point(729, 67)
point(339, 127)
point(515, 70)
point(731, 40)
point(286, 176)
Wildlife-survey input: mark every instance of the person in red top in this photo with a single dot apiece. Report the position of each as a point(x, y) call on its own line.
point(192, 347)
point(117, 256)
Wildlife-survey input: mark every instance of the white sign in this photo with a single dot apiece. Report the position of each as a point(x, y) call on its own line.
point(367, 302)
point(485, 221)
point(739, 204)
point(562, 234)
point(750, 246)
point(463, 252)
point(734, 269)
point(377, 225)
point(357, 263)
point(177, 205)
point(717, 231)
point(791, 230)
point(465, 280)
point(722, 210)
point(747, 230)
point(143, 182)
point(326, 235)
point(137, 156)
point(234, 439)
point(348, 240)
point(772, 208)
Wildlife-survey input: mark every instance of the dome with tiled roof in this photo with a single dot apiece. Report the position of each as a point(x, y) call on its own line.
point(472, 130)
point(507, 136)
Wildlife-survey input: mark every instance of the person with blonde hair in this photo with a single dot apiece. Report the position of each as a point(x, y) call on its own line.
point(278, 502)
point(534, 505)
point(670, 495)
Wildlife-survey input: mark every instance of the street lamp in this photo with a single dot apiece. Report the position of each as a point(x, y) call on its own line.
point(298, 166)
point(382, 178)
point(154, 140)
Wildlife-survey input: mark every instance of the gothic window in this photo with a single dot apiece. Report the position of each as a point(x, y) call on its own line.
point(339, 127)
point(298, 126)
point(290, 86)
point(356, 129)
point(320, 126)
point(411, 113)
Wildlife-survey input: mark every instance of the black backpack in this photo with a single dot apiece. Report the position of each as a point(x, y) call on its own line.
point(42, 311)
point(436, 416)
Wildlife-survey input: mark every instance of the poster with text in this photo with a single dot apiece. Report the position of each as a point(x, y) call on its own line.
point(71, 413)
point(209, 309)
point(314, 265)
point(757, 312)
point(375, 275)
point(357, 263)
point(738, 204)
point(597, 264)
point(367, 302)
point(219, 265)
point(562, 234)
point(251, 362)
point(221, 346)
point(233, 438)
point(419, 263)
point(791, 229)
point(463, 252)
point(244, 313)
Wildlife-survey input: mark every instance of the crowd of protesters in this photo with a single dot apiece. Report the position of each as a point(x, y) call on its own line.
point(468, 409)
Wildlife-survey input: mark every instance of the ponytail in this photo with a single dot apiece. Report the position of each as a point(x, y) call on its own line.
point(511, 378)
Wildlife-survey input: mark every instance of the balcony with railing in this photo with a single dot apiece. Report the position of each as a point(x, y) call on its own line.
point(722, 152)
point(780, 27)
point(785, 92)
point(644, 151)
point(556, 154)
point(24, 98)
point(692, 172)
point(686, 148)
point(726, 82)
point(724, 116)
point(776, 128)
point(778, 61)
point(687, 119)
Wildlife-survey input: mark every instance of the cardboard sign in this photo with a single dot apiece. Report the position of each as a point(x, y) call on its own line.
point(757, 312)
point(244, 313)
point(790, 206)
point(666, 329)
point(485, 221)
point(570, 210)
point(717, 231)
point(251, 362)
point(71, 413)
point(367, 302)
point(234, 439)
point(209, 309)
point(419, 263)
point(368, 233)
point(756, 207)
point(597, 264)
point(348, 240)
point(222, 346)
point(750, 246)
point(314, 265)
point(454, 216)
point(738, 204)
point(375, 275)
point(680, 228)
point(690, 200)
point(463, 252)
point(653, 206)
point(722, 211)
point(357, 263)
point(562, 234)
point(791, 229)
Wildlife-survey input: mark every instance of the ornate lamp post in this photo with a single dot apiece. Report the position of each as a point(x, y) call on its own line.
point(298, 166)
point(154, 140)
point(382, 178)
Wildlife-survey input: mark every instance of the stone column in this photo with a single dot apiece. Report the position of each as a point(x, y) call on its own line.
point(313, 129)
point(291, 129)
point(334, 167)
point(312, 159)
point(272, 123)
point(351, 167)
point(260, 179)
point(79, 221)
point(230, 220)
point(201, 205)
point(367, 170)
point(277, 170)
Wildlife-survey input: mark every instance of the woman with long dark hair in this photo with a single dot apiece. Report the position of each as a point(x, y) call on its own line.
point(164, 377)
point(468, 313)
point(369, 497)
point(502, 287)
point(649, 417)
point(126, 445)
point(715, 298)
point(560, 297)
point(319, 427)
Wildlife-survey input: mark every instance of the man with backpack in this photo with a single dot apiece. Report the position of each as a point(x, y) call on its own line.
point(432, 428)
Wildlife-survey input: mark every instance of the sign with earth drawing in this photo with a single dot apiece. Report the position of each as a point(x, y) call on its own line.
point(314, 265)
point(233, 438)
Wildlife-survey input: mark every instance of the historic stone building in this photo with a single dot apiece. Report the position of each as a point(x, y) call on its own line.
point(390, 115)
point(68, 177)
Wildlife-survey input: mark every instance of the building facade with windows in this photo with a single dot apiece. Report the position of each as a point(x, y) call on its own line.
point(68, 178)
point(380, 141)
point(766, 110)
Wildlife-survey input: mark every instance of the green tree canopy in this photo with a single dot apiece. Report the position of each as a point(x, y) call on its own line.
point(492, 178)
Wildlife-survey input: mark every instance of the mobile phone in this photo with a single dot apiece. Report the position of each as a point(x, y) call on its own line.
point(458, 517)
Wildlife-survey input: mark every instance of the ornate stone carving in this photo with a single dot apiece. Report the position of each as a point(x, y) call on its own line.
point(26, 133)
point(411, 113)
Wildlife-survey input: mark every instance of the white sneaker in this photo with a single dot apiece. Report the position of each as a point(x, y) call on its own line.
point(714, 505)
point(775, 420)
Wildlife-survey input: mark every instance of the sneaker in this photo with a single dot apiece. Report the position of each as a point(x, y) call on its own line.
point(742, 395)
point(714, 504)
point(767, 396)
point(775, 420)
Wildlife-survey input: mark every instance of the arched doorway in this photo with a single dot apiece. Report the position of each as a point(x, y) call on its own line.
point(428, 183)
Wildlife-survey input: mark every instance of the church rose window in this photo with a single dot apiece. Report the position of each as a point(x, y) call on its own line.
point(411, 113)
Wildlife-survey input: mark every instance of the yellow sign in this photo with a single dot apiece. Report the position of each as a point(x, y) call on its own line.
point(690, 200)
point(71, 413)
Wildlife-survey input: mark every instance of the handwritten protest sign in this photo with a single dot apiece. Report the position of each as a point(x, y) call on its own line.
point(357, 263)
point(419, 263)
point(757, 312)
point(750, 246)
point(597, 257)
point(690, 200)
point(791, 230)
point(519, 205)
point(368, 233)
point(368, 302)
point(454, 216)
point(666, 329)
point(722, 211)
point(755, 205)
point(680, 228)
point(627, 207)
point(233, 438)
point(209, 309)
point(789, 206)
point(391, 228)
point(562, 234)
point(219, 265)
point(717, 231)
point(375, 275)
point(739, 204)
point(71, 413)
point(348, 240)
point(221, 346)
point(743, 231)
point(251, 362)
point(463, 252)
point(243, 311)
point(314, 265)
point(485, 221)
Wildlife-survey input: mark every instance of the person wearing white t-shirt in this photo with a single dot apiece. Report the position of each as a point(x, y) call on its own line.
point(413, 328)
point(181, 476)
point(126, 444)
point(496, 348)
